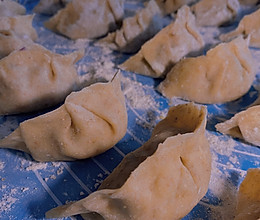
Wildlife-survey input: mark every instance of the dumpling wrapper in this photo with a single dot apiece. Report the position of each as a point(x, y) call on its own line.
point(89, 122)
point(170, 6)
point(244, 125)
point(15, 33)
point(49, 7)
point(224, 74)
point(172, 169)
point(248, 206)
point(34, 78)
point(87, 18)
point(167, 47)
point(11, 8)
point(215, 13)
point(248, 26)
point(136, 30)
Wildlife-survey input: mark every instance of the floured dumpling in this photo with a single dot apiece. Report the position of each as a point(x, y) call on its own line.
point(87, 18)
point(215, 13)
point(89, 122)
point(16, 33)
point(248, 206)
point(170, 170)
point(224, 74)
point(34, 78)
point(166, 48)
point(170, 6)
point(11, 8)
point(136, 30)
point(50, 7)
point(244, 125)
point(249, 25)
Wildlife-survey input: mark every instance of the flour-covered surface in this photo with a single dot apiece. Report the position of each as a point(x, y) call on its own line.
point(28, 189)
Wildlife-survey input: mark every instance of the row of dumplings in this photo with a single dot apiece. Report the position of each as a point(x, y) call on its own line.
point(73, 131)
point(224, 74)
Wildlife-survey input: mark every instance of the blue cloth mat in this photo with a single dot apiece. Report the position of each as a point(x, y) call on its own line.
point(28, 189)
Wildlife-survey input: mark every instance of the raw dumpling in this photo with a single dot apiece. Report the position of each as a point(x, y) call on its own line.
point(11, 8)
point(244, 125)
point(16, 33)
point(89, 122)
point(224, 74)
point(50, 7)
point(34, 78)
point(136, 30)
point(166, 48)
point(164, 179)
point(248, 206)
point(215, 13)
point(170, 6)
point(249, 25)
point(87, 18)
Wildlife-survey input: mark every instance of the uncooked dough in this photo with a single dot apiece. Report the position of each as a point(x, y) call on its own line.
point(170, 170)
point(248, 205)
point(15, 33)
point(248, 26)
point(87, 18)
point(224, 74)
point(34, 78)
point(244, 125)
point(158, 55)
point(89, 122)
point(170, 6)
point(136, 30)
point(11, 8)
point(215, 13)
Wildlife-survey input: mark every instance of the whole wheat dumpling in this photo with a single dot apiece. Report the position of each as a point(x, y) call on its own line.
point(215, 13)
point(89, 122)
point(224, 74)
point(11, 8)
point(15, 33)
point(87, 18)
point(167, 47)
point(244, 125)
point(34, 78)
point(50, 7)
point(248, 205)
point(170, 6)
point(136, 30)
point(249, 25)
point(163, 179)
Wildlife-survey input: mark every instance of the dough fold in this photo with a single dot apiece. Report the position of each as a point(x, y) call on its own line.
point(172, 169)
point(244, 125)
point(136, 30)
point(167, 47)
point(224, 74)
point(248, 205)
point(89, 122)
point(15, 33)
point(248, 26)
point(34, 78)
point(215, 13)
point(87, 18)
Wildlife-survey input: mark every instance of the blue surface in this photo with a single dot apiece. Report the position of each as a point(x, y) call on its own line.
point(28, 189)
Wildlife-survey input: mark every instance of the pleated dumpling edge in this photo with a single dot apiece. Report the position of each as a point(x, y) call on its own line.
point(88, 123)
